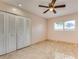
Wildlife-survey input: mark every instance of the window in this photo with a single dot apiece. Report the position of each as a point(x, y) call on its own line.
point(69, 25)
point(58, 26)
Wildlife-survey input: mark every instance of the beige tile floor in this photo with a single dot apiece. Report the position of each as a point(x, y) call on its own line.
point(45, 50)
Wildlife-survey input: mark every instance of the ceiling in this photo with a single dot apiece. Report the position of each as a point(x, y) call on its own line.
point(32, 6)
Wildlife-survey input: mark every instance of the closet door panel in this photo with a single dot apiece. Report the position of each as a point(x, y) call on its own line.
point(23, 32)
point(11, 42)
point(27, 31)
point(20, 32)
point(6, 31)
point(2, 44)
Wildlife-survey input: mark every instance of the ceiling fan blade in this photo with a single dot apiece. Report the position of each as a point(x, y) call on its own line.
point(43, 6)
point(46, 11)
point(60, 6)
point(53, 2)
point(54, 11)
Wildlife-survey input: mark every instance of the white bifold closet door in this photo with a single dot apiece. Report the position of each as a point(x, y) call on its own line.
point(28, 32)
point(11, 32)
point(2, 41)
point(15, 32)
point(22, 32)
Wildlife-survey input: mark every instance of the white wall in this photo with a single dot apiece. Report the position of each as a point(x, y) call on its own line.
point(39, 25)
point(70, 36)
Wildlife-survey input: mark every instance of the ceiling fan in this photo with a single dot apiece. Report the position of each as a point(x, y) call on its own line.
point(51, 6)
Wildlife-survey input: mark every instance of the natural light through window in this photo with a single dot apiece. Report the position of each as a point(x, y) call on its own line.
point(69, 25)
point(58, 26)
point(64, 26)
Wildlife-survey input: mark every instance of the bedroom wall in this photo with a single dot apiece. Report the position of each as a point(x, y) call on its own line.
point(70, 36)
point(39, 24)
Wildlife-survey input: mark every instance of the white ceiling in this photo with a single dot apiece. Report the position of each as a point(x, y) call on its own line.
point(32, 6)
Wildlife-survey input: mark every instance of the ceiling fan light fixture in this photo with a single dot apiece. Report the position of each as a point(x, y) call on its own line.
point(51, 9)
